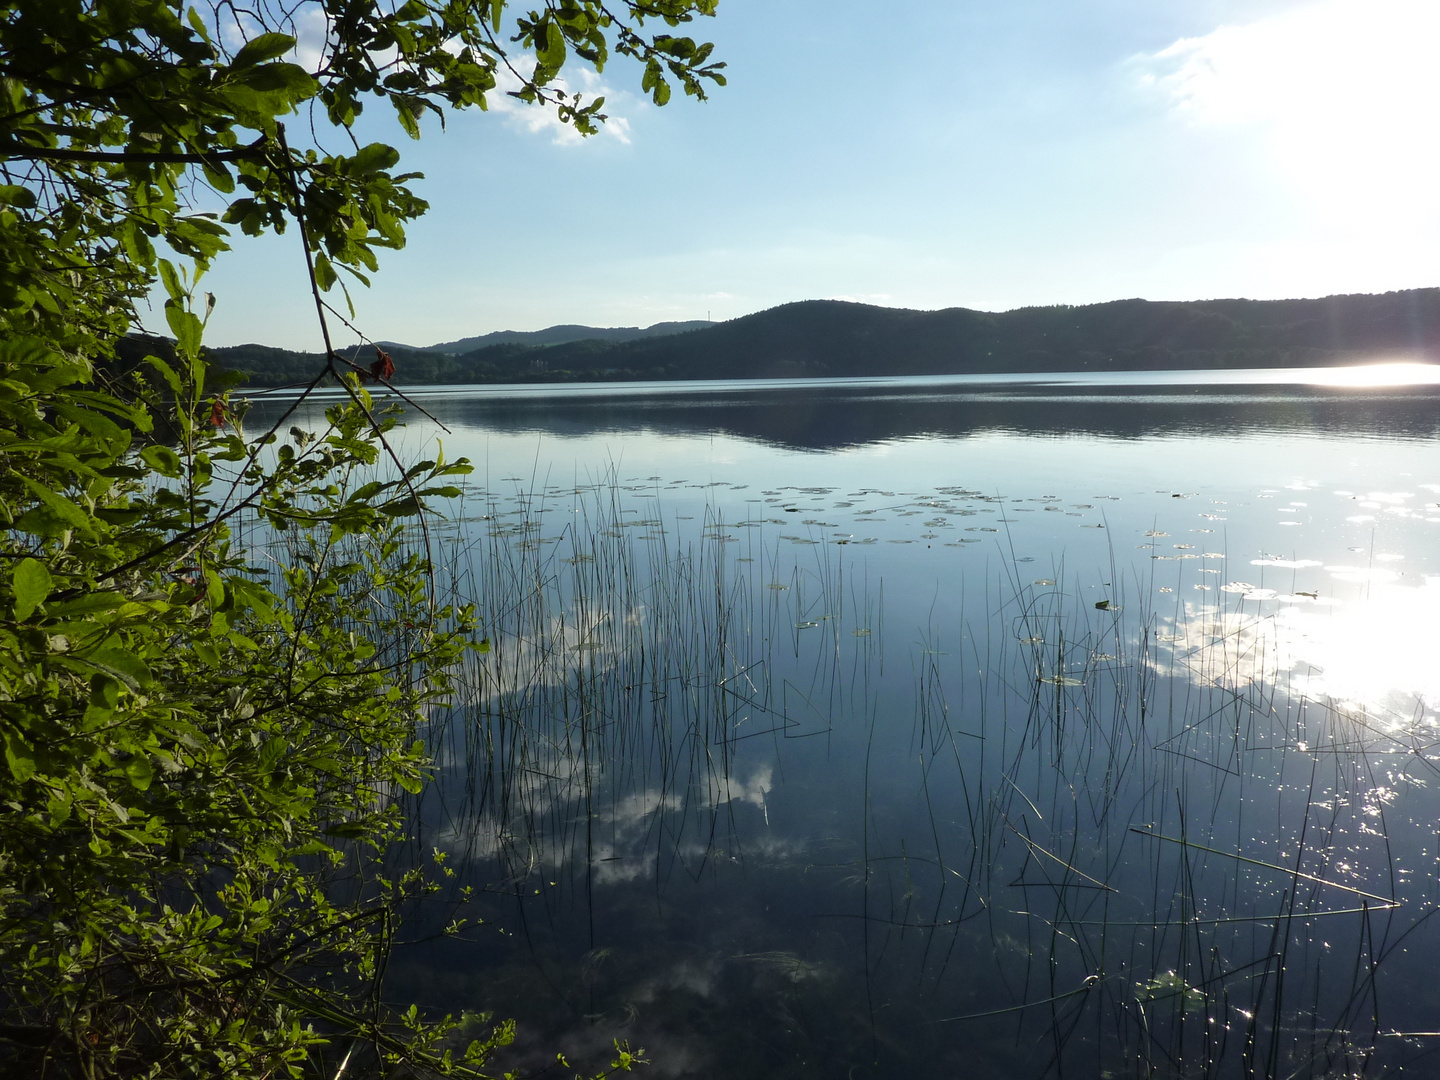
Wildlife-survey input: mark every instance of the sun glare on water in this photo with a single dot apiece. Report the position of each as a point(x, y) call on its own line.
point(1397, 373)
point(1378, 652)
point(1371, 655)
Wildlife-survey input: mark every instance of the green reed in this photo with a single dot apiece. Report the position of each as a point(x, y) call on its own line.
point(1133, 841)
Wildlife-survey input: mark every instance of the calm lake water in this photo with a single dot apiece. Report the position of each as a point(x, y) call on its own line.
point(945, 728)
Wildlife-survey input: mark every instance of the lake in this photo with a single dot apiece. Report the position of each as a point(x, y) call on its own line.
point(955, 727)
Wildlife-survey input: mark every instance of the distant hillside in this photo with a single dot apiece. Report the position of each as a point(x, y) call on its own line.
point(555, 335)
point(819, 338)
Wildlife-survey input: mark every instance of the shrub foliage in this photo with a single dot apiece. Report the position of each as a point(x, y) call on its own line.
point(215, 645)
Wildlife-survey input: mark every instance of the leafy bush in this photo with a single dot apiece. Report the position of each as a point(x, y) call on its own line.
point(215, 647)
point(204, 743)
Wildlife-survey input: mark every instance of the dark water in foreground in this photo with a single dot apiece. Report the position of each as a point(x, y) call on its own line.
point(956, 729)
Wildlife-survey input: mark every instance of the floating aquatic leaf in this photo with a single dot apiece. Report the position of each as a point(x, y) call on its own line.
point(806, 625)
point(1044, 581)
point(1170, 985)
point(861, 632)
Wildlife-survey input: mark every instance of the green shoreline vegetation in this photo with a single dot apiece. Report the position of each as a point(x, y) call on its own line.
point(217, 649)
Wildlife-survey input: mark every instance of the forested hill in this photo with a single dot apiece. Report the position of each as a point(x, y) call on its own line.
point(557, 335)
point(818, 338)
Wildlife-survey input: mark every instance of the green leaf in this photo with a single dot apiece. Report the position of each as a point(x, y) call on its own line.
point(140, 771)
point(167, 373)
point(374, 158)
point(59, 807)
point(282, 84)
point(58, 510)
point(32, 584)
point(122, 664)
point(261, 48)
point(551, 52)
point(20, 756)
point(171, 280)
point(185, 326)
point(17, 196)
point(214, 589)
point(163, 460)
point(324, 272)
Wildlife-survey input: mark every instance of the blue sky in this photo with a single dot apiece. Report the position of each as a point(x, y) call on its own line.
point(932, 154)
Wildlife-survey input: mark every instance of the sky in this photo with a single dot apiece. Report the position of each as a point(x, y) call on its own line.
point(932, 154)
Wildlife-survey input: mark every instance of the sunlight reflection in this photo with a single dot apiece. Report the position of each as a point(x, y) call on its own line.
point(1378, 652)
point(1373, 655)
point(1398, 373)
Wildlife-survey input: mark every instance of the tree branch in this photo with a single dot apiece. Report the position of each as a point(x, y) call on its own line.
point(14, 151)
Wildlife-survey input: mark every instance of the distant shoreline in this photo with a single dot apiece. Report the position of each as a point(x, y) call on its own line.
point(836, 339)
point(1397, 377)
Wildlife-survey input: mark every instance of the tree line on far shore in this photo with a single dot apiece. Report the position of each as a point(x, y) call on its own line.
point(832, 338)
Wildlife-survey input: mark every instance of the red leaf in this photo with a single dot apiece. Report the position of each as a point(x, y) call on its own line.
point(217, 413)
point(383, 367)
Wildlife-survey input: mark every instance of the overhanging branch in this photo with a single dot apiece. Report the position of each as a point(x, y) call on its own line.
point(19, 151)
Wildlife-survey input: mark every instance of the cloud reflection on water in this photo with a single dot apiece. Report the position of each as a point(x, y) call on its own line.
point(1371, 655)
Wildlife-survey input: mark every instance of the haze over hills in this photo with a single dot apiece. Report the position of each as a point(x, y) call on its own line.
point(819, 338)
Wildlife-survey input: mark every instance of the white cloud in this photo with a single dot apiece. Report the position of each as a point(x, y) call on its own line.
point(1344, 92)
point(1345, 62)
point(312, 29)
point(545, 119)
